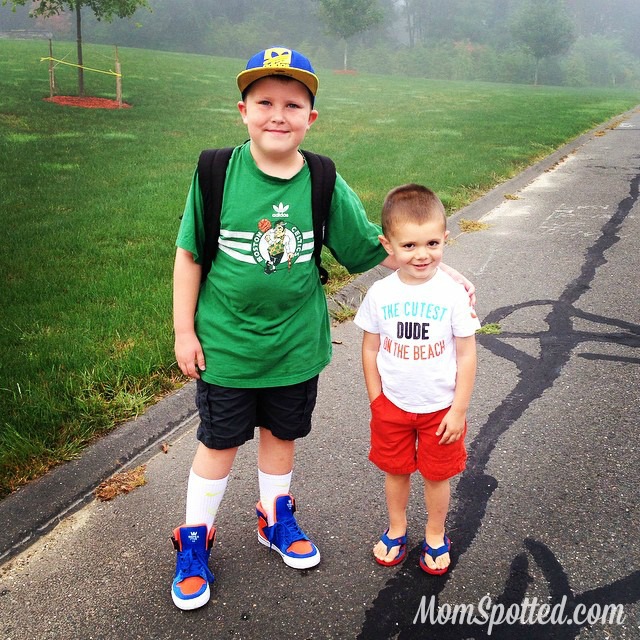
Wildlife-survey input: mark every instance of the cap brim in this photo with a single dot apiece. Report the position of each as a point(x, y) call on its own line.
point(308, 79)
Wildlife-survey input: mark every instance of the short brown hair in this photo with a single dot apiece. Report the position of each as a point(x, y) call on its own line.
point(411, 203)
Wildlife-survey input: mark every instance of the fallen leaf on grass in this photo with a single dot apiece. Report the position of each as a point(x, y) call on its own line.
point(122, 482)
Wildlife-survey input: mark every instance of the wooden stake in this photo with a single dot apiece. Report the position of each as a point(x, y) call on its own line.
point(118, 81)
point(52, 76)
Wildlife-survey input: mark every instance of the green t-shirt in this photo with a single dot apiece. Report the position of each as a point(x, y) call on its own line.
point(262, 316)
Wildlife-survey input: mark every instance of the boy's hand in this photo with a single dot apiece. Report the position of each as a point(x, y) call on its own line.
point(471, 290)
point(189, 355)
point(452, 427)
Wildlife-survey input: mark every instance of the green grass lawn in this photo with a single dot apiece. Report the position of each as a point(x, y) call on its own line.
point(91, 200)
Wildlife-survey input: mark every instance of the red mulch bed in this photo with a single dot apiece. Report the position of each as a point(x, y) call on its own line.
point(88, 103)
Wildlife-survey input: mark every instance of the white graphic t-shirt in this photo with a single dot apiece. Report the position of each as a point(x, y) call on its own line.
point(417, 325)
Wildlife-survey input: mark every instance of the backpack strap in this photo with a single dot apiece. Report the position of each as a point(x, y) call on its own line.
point(323, 180)
point(212, 171)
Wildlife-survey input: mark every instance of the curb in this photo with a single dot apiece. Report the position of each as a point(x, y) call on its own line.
point(36, 508)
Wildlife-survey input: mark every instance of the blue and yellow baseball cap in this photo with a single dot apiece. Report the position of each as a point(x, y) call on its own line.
point(278, 61)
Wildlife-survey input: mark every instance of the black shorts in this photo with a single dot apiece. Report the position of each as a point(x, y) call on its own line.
point(228, 416)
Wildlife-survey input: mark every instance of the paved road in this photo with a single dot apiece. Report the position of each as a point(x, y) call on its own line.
point(547, 509)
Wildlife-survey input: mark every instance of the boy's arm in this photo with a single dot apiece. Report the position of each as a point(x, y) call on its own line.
point(452, 426)
point(390, 262)
point(186, 286)
point(370, 348)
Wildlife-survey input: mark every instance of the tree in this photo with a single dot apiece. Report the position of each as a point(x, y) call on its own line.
point(599, 60)
point(413, 13)
point(346, 18)
point(102, 9)
point(617, 19)
point(544, 28)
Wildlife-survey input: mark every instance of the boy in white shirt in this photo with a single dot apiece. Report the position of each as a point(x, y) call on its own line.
point(419, 361)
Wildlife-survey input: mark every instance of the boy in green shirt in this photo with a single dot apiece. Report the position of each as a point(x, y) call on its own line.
point(256, 335)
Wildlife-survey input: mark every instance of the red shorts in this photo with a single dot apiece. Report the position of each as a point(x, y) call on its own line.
point(402, 442)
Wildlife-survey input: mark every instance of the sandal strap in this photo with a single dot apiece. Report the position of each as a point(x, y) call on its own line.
point(440, 551)
point(392, 542)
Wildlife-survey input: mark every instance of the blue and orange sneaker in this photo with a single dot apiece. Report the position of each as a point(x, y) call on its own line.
point(190, 588)
point(285, 536)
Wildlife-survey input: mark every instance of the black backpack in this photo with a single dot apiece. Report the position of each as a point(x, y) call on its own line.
point(212, 169)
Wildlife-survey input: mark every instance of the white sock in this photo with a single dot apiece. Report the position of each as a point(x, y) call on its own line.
point(270, 488)
point(203, 499)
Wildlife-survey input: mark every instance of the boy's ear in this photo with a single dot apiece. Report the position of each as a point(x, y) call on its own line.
point(446, 235)
point(242, 108)
point(313, 116)
point(386, 244)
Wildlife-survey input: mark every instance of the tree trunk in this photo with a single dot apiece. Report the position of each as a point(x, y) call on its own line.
point(344, 67)
point(411, 22)
point(52, 76)
point(79, 45)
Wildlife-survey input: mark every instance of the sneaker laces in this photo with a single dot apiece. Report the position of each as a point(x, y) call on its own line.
point(288, 529)
point(193, 563)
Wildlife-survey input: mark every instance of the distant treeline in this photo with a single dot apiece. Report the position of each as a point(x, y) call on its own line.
point(457, 39)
